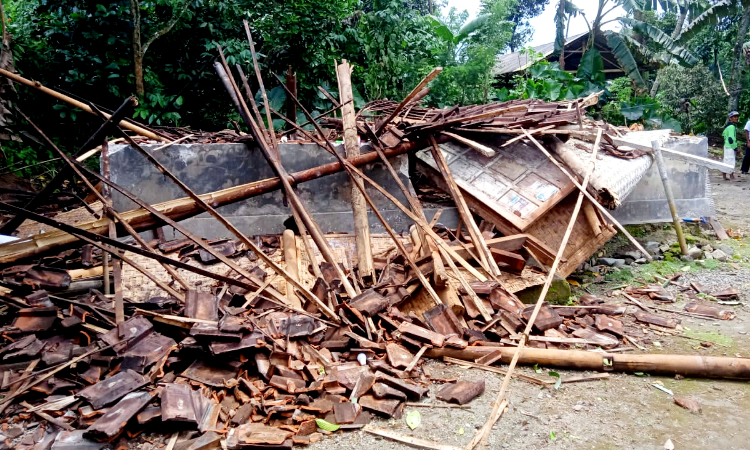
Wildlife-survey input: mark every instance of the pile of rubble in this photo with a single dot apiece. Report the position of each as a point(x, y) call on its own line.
point(256, 351)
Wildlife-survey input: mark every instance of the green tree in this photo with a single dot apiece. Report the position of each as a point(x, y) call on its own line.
point(471, 53)
point(142, 13)
point(519, 18)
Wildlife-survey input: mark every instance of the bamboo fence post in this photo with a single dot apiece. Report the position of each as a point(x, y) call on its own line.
point(670, 196)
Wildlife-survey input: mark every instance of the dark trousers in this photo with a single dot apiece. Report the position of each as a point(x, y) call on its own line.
point(746, 161)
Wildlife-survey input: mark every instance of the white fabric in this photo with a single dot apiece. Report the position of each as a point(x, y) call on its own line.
point(747, 125)
point(729, 158)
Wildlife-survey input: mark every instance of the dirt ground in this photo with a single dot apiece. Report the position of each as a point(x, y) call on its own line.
point(624, 411)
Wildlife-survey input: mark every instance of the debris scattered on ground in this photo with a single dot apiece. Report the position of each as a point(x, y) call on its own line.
point(253, 346)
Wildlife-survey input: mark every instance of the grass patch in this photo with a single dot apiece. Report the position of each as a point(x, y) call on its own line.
point(663, 268)
point(621, 276)
point(636, 230)
point(711, 336)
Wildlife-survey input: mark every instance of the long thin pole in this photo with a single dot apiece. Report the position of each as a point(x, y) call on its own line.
point(106, 198)
point(670, 196)
point(272, 157)
point(78, 104)
point(601, 208)
point(496, 410)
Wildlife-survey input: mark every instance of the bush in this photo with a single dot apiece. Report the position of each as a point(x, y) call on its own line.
point(694, 97)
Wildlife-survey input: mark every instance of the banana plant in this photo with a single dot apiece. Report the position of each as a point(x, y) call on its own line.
point(635, 31)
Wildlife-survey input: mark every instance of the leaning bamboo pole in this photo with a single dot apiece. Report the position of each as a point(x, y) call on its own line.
point(185, 207)
point(78, 104)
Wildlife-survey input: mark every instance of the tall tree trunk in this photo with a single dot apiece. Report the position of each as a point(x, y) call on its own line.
point(675, 34)
point(135, 10)
point(7, 91)
point(735, 85)
point(560, 25)
point(140, 48)
point(140, 90)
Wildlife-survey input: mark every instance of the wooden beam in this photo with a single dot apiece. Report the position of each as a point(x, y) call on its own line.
point(474, 145)
point(351, 147)
point(486, 260)
point(408, 98)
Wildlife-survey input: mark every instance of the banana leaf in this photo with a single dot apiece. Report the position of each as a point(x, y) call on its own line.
point(709, 17)
point(471, 27)
point(623, 55)
point(682, 54)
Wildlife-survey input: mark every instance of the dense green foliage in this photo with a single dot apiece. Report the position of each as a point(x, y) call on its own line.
point(163, 51)
point(92, 49)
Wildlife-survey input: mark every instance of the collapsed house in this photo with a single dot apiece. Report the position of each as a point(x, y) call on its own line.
point(292, 289)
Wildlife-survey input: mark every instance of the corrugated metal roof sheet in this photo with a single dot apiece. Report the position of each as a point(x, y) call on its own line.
point(513, 62)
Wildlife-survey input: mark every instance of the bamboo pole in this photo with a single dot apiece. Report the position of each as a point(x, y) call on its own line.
point(601, 208)
point(483, 432)
point(78, 104)
point(435, 72)
point(485, 257)
point(272, 157)
point(142, 219)
point(656, 364)
point(105, 197)
point(357, 181)
point(670, 196)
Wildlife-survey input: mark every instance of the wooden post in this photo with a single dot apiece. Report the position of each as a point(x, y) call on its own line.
point(351, 146)
point(670, 196)
point(116, 263)
point(289, 243)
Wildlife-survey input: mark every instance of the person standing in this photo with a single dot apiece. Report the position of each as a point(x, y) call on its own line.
point(746, 160)
point(730, 144)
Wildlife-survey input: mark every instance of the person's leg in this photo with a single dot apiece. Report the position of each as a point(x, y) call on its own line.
point(746, 161)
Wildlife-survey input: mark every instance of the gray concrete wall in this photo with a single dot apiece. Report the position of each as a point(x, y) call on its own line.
point(208, 168)
point(690, 185)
